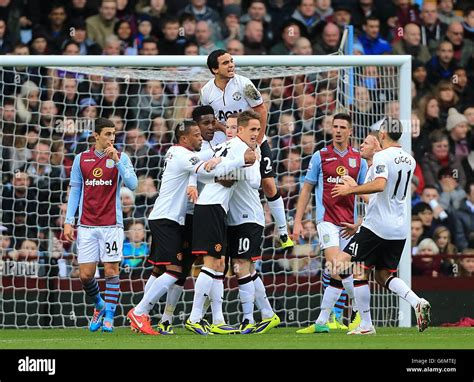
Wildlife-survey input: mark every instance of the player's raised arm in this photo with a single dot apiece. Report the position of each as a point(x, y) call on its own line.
point(73, 198)
point(126, 171)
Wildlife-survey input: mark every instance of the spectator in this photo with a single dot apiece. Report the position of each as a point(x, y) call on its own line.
point(432, 28)
point(146, 193)
point(204, 39)
point(48, 120)
point(420, 78)
point(289, 189)
point(440, 157)
point(426, 266)
point(230, 25)
point(447, 98)
point(451, 193)
point(188, 25)
point(362, 10)
point(302, 47)
point(80, 9)
point(411, 44)
point(86, 45)
point(144, 159)
point(468, 23)
point(171, 43)
point(113, 46)
point(442, 238)
point(235, 47)
point(370, 39)
point(128, 43)
point(466, 264)
point(149, 48)
point(425, 213)
point(113, 99)
point(257, 11)
point(430, 195)
point(254, 38)
point(446, 13)
point(458, 129)
point(463, 88)
point(306, 14)
point(150, 103)
point(39, 44)
point(324, 10)
point(192, 49)
point(71, 48)
point(342, 16)
point(416, 233)
point(290, 32)
point(6, 243)
point(135, 249)
point(306, 113)
point(308, 147)
point(291, 164)
point(463, 49)
point(442, 65)
point(6, 45)
point(129, 210)
point(330, 40)
point(202, 12)
point(67, 97)
point(284, 137)
point(100, 26)
point(145, 29)
point(156, 10)
point(464, 235)
point(27, 104)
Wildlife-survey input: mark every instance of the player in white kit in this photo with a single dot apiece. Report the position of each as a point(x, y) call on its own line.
point(380, 240)
point(229, 93)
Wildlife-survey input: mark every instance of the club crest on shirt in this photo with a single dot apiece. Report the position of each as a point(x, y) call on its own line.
point(326, 238)
point(380, 168)
point(218, 247)
point(109, 163)
point(194, 160)
point(251, 92)
point(236, 96)
point(352, 163)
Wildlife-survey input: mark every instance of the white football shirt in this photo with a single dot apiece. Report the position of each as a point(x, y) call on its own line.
point(386, 214)
point(239, 94)
point(215, 193)
point(180, 164)
point(245, 205)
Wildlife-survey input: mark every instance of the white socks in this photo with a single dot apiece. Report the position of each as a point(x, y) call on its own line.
point(159, 287)
point(362, 296)
point(348, 283)
point(277, 210)
point(149, 283)
point(217, 296)
point(261, 299)
point(399, 287)
point(172, 298)
point(330, 297)
point(247, 297)
point(202, 289)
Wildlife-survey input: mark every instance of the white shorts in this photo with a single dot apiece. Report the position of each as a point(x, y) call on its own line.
point(330, 236)
point(96, 244)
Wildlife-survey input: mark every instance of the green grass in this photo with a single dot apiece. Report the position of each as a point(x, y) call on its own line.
point(279, 338)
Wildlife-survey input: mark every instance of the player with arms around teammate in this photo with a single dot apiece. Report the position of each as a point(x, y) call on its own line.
point(209, 238)
point(167, 220)
point(96, 177)
point(230, 93)
point(380, 240)
point(326, 169)
point(246, 223)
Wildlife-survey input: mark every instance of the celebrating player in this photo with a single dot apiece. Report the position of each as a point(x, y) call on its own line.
point(96, 178)
point(230, 93)
point(168, 217)
point(326, 169)
point(209, 239)
point(246, 222)
point(380, 240)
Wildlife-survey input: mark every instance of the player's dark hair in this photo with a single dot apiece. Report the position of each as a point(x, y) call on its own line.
point(101, 123)
point(199, 111)
point(212, 59)
point(344, 117)
point(247, 115)
point(393, 127)
point(183, 128)
point(233, 115)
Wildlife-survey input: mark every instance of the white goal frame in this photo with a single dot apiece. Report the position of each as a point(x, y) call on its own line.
point(403, 62)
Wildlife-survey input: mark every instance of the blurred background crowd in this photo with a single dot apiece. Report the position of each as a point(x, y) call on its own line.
point(44, 111)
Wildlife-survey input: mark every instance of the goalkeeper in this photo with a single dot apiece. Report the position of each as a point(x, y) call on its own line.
point(96, 177)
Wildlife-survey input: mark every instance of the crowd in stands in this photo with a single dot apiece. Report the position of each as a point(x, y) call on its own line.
point(42, 111)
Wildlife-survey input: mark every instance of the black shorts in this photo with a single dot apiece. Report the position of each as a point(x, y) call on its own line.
point(188, 257)
point(245, 241)
point(266, 163)
point(371, 250)
point(209, 230)
point(166, 242)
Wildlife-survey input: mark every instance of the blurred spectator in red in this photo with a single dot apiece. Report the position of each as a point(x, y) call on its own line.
point(426, 266)
point(464, 236)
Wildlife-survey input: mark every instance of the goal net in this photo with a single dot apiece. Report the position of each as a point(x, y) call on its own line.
point(46, 121)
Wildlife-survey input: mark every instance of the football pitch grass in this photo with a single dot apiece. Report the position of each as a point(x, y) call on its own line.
point(278, 338)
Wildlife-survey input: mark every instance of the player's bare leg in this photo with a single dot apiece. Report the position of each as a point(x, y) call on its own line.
point(91, 287)
point(421, 306)
point(139, 316)
point(277, 209)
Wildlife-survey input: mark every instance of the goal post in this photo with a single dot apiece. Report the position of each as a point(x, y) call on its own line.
point(393, 72)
